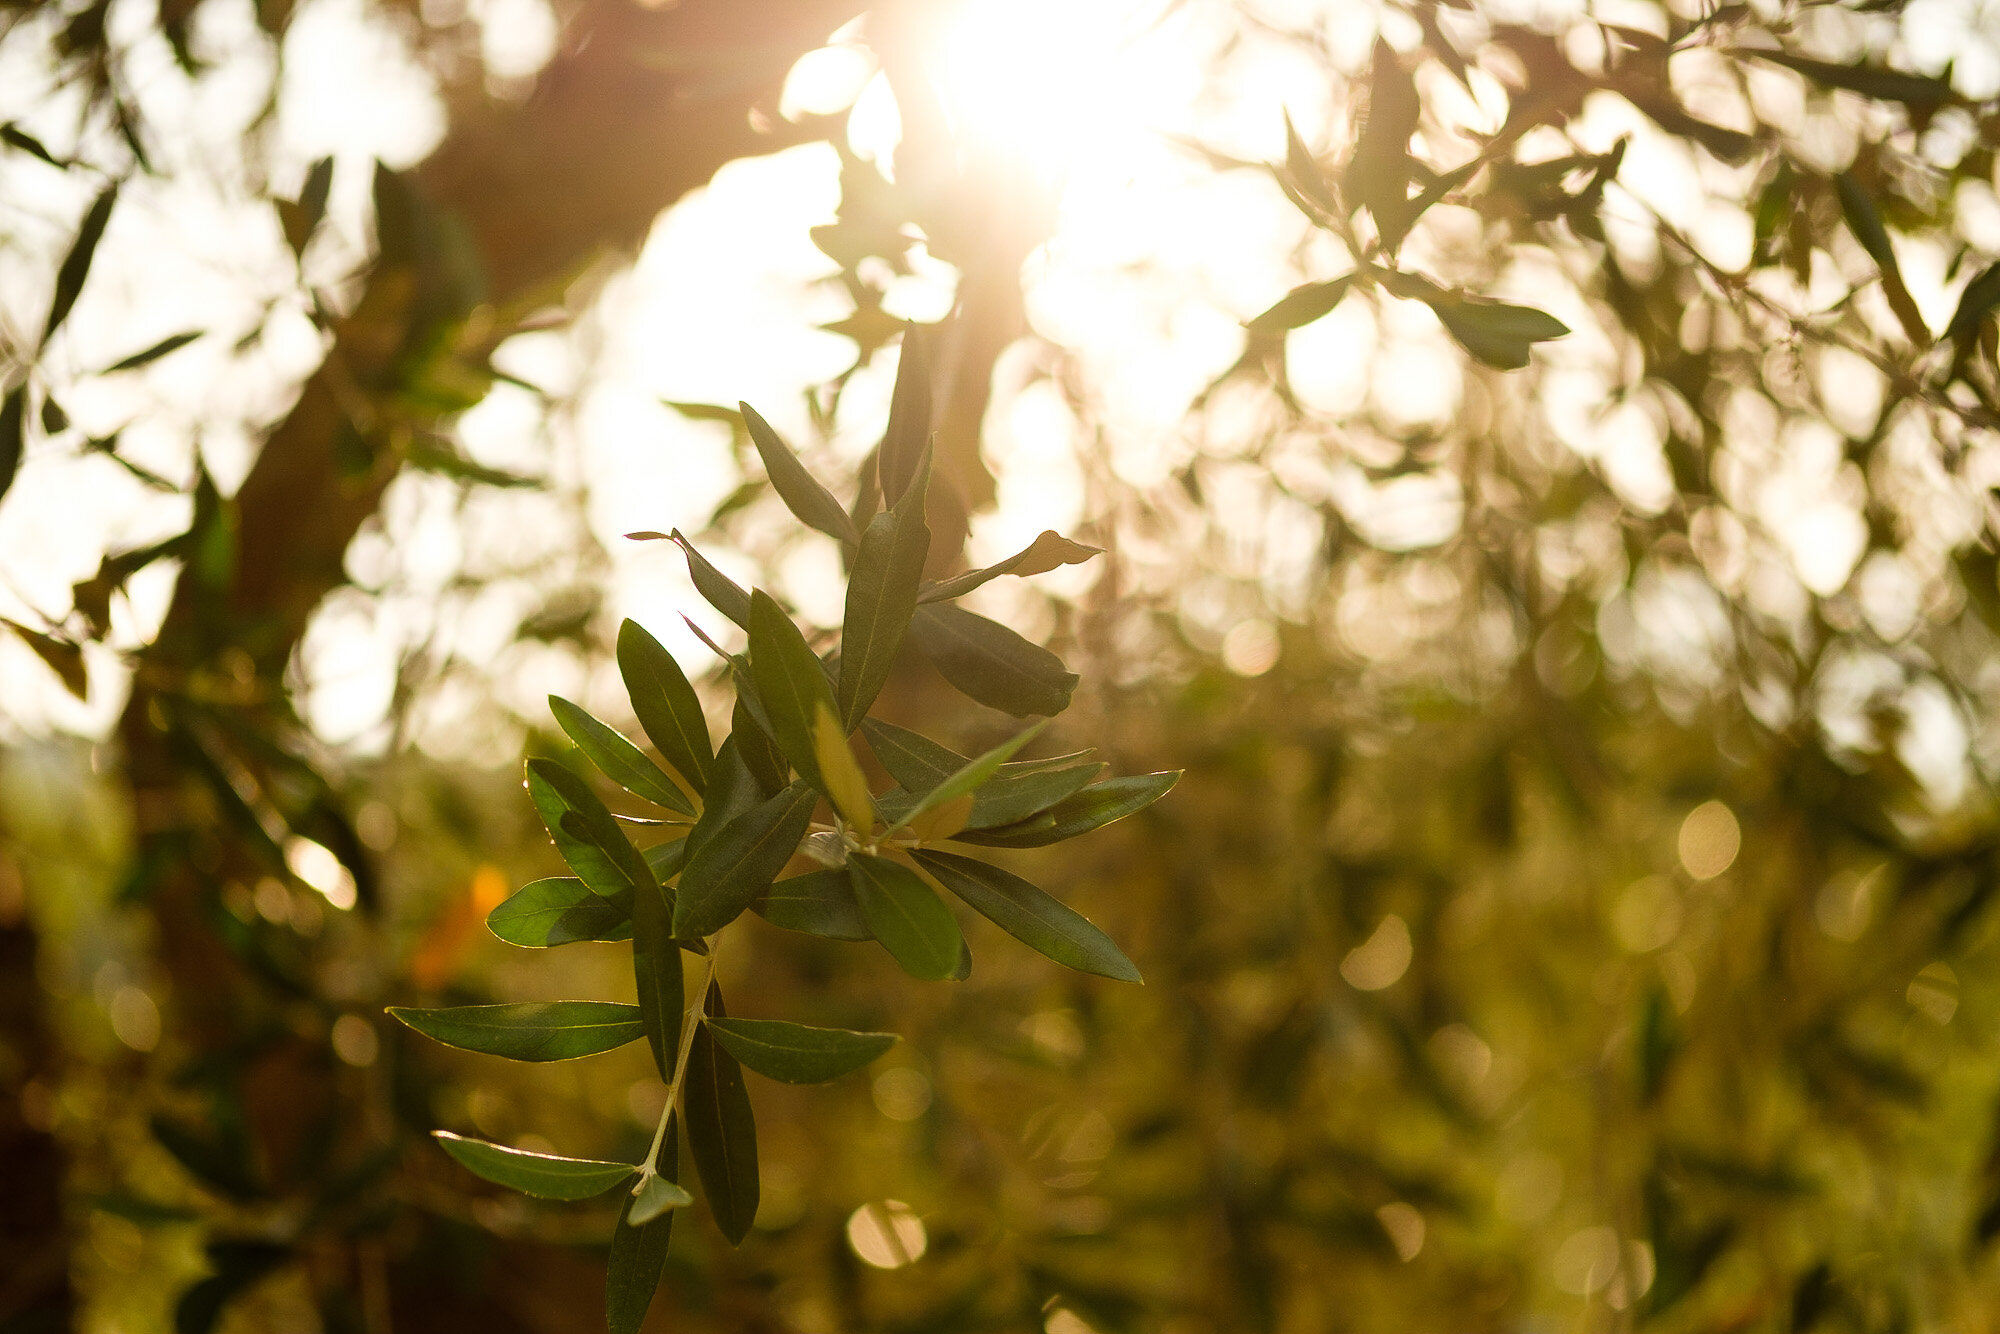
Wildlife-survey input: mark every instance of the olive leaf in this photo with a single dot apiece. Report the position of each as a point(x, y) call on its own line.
point(528, 1030)
point(796, 1053)
point(543, 1175)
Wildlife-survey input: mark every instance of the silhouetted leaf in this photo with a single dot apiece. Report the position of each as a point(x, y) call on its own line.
point(908, 436)
point(76, 264)
point(1865, 221)
point(881, 597)
point(152, 354)
point(800, 490)
point(542, 1175)
point(1045, 553)
point(529, 1030)
point(790, 682)
point(16, 137)
point(1302, 305)
point(63, 658)
point(13, 434)
point(722, 1133)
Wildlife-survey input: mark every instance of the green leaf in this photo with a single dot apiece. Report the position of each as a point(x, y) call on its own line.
point(1011, 798)
point(760, 754)
point(543, 1175)
point(557, 911)
point(795, 1053)
point(1045, 553)
point(656, 1196)
point(618, 759)
point(1865, 221)
point(529, 1030)
point(908, 437)
point(665, 703)
point(732, 790)
point(445, 460)
point(76, 264)
point(722, 1133)
point(790, 683)
point(819, 903)
point(585, 833)
point(991, 664)
point(882, 597)
point(717, 587)
point(1018, 789)
point(912, 759)
point(13, 434)
point(727, 872)
point(910, 920)
point(800, 490)
point(1092, 808)
point(656, 972)
point(152, 354)
point(1029, 915)
point(666, 860)
point(841, 773)
point(639, 1252)
point(972, 775)
point(1302, 305)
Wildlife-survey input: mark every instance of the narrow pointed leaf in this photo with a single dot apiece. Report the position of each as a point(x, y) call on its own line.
point(819, 903)
point(543, 1175)
point(1302, 305)
point(666, 704)
point(558, 911)
point(840, 773)
point(618, 759)
point(1017, 790)
point(717, 587)
point(909, 431)
point(1092, 808)
point(790, 682)
point(1028, 914)
point(656, 1197)
point(800, 490)
point(727, 872)
point(752, 734)
point(733, 791)
point(912, 759)
point(13, 434)
point(796, 1053)
point(584, 832)
point(722, 1133)
point(991, 664)
point(1045, 553)
point(910, 920)
point(1865, 220)
point(1011, 798)
point(529, 1030)
point(973, 774)
point(639, 1253)
point(666, 860)
point(656, 972)
point(154, 353)
point(1497, 333)
point(76, 264)
point(881, 598)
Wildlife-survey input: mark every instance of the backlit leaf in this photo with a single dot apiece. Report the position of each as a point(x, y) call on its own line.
point(840, 773)
point(655, 1197)
point(618, 759)
point(585, 833)
point(656, 974)
point(973, 774)
point(718, 588)
point(790, 682)
point(542, 1175)
point(881, 597)
point(1092, 808)
point(152, 354)
point(558, 911)
point(529, 1030)
point(76, 264)
point(908, 436)
point(1302, 305)
point(800, 490)
point(1045, 553)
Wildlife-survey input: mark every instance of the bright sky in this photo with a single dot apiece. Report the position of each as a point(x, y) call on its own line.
point(1156, 261)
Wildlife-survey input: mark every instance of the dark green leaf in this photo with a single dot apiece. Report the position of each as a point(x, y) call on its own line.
point(1029, 915)
point(76, 264)
point(722, 1133)
point(1092, 808)
point(1495, 332)
point(1302, 305)
point(585, 833)
point(990, 663)
point(666, 860)
point(618, 759)
point(909, 433)
point(1866, 223)
point(666, 704)
point(1045, 553)
point(639, 1253)
point(972, 775)
point(910, 920)
point(529, 1030)
point(717, 587)
point(790, 682)
point(656, 972)
point(732, 790)
point(728, 871)
point(819, 903)
point(542, 1175)
point(155, 352)
point(767, 764)
point(1010, 798)
point(13, 434)
point(16, 137)
point(557, 911)
point(800, 490)
point(1018, 789)
point(912, 759)
point(54, 420)
point(881, 597)
point(795, 1053)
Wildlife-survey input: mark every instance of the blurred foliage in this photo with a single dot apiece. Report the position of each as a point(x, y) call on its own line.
point(1577, 910)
